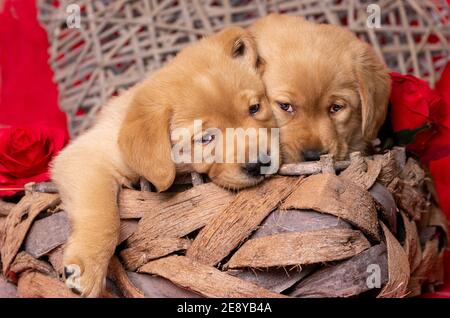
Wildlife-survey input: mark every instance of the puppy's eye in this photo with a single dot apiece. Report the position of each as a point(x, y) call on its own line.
point(335, 108)
point(253, 109)
point(286, 107)
point(206, 139)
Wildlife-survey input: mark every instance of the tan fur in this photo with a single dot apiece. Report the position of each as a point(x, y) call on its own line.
point(208, 81)
point(312, 66)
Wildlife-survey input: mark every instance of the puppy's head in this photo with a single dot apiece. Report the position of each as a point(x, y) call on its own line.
point(189, 104)
point(328, 90)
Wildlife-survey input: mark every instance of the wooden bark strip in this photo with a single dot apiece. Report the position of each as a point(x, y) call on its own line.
point(2, 230)
point(276, 280)
point(287, 249)
point(37, 285)
point(430, 269)
point(386, 204)
point(39, 242)
point(307, 168)
point(5, 207)
point(137, 204)
point(158, 287)
point(347, 278)
point(55, 258)
point(412, 242)
point(7, 289)
point(392, 163)
point(118, 275)
point(362, 171)
point(24, 261)
point(127, 228)
point(46, 234)
point(174, 214)
point(235, 223)
point(330, 194)
point(281, 221)
point(108, 294)
point(398, 268)
point(414, 287)
point(203, 279)
point(327, 163)
point(413, 174)
point(438, 218)
point(438, 275)
point(410, 199)
point(19, 221)
point(137, 255)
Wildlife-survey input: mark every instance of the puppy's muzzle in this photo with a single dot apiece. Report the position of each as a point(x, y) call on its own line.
point(254, 169)
point(312, 154)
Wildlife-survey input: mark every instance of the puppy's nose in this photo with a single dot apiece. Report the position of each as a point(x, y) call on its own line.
point(254, 168)
point(312, 154)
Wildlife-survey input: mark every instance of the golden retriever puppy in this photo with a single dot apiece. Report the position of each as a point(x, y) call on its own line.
point(216, 81)
point(328, 89)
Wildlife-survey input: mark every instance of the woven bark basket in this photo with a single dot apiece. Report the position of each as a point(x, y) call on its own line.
point(367, 227)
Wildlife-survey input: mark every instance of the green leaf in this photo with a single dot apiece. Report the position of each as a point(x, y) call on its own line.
point(407, 136)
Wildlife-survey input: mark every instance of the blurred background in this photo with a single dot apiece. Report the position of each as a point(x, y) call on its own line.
point(114, 43)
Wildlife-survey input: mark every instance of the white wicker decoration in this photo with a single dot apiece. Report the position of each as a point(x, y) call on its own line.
point(120, 41)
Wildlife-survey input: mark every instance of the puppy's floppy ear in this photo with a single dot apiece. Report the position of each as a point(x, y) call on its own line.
point(240, 45)
point(374, 86)
point(145, 142)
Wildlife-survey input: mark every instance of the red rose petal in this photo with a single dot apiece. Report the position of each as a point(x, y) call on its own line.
point(411, 100)
point(27, 153)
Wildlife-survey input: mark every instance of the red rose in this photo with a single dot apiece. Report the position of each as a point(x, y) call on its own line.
point(414, 104)
point(418, 108)
point(25, 153)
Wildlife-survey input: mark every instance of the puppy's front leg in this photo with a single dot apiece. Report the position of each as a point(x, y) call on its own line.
point(89, 194)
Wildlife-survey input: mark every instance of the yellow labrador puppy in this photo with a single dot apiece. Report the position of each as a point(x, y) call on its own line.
point(328, 89)
point(215, 80)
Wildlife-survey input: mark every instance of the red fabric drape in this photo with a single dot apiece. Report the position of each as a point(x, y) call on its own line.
point(32, 127)
point(440, 170)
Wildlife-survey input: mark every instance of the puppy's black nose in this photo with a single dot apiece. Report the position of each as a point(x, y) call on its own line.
point(254, 168)
point(312, 154)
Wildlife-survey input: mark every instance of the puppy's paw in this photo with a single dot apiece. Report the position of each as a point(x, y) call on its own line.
point(85, 278)
point(72, 274)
